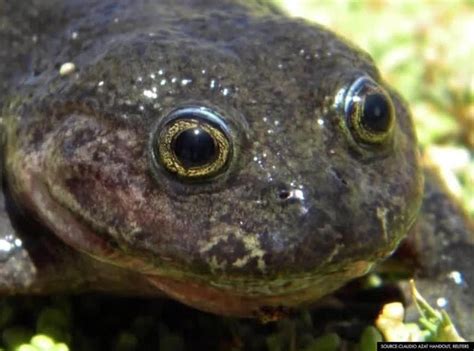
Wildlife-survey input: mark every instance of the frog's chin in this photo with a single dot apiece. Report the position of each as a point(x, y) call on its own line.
point(264, 299)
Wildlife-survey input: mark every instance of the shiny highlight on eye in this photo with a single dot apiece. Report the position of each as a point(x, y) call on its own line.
point(369, 111)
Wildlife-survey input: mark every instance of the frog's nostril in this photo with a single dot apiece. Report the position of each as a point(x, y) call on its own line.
point(290, 195)
point(291, 199)
point(284, 194)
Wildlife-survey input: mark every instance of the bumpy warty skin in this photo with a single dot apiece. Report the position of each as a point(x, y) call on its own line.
point(78, 155)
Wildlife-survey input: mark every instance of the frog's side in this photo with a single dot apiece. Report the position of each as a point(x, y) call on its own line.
point(442, 249)
point(301, 208)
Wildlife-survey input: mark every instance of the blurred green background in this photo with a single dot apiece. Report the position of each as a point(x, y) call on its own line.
point(425, 49)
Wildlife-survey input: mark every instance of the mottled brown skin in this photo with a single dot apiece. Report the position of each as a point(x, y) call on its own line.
point(92, 212)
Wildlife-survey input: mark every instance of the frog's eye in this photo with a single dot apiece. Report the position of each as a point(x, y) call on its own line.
point(193, 143)
point(369, 111)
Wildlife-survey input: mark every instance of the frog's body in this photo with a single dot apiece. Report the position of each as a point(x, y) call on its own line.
point(300, 205)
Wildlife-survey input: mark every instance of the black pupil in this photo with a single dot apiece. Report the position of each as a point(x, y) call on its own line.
point(377, 113)
point(194, 148)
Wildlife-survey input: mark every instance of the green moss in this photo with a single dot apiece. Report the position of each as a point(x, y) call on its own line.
point(369, 339)
point(327, 342)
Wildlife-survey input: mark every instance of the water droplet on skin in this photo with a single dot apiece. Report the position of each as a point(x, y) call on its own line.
point(456, 277)
point(5, 245)
point(297, 194)
point(67, 68)
point(8, 246)
point(150, 94)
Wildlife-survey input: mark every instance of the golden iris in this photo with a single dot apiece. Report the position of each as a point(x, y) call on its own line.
point(193, 148)
point(369, 112)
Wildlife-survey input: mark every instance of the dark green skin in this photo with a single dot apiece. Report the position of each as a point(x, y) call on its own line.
point(94, 214)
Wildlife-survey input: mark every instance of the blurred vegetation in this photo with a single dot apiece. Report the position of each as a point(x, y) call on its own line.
point(425, 49)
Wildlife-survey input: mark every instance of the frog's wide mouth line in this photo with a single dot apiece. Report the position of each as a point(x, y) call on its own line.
point(180, 282)
point(182, 274)
point(239, 299)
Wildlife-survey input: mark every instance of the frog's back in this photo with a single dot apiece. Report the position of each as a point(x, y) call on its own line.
point(33, 33)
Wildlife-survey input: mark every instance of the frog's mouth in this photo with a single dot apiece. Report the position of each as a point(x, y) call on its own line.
point(247, 297)
point(281, 294)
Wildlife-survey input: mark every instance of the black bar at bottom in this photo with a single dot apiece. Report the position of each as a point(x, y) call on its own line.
point(458, 346)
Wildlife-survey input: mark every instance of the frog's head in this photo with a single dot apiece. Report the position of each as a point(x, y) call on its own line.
point(262, 166)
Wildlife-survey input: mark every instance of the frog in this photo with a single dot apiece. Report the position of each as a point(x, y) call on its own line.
point(219, 153)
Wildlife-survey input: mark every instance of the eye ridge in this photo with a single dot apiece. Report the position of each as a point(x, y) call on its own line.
point(369, 111)
point(176, 161)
